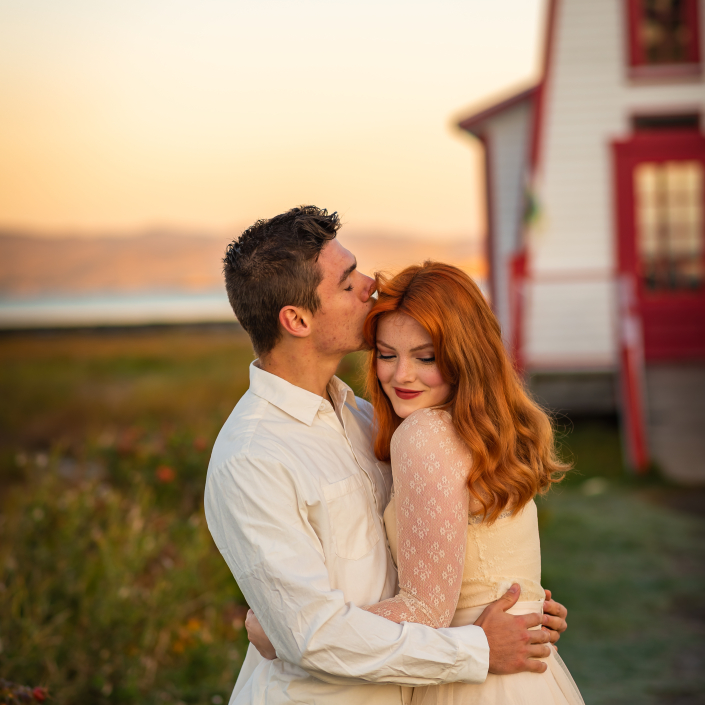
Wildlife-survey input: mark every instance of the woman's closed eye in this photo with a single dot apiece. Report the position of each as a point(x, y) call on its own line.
point(391, 356)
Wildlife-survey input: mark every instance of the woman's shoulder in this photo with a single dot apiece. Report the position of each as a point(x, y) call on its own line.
point(427, 418)
point(424, 424)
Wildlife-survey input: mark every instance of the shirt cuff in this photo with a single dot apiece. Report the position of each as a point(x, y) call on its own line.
point(473, 653)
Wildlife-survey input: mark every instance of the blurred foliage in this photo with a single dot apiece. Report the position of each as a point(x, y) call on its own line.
point(13, 693)
point(111, 590)
point(112, 596)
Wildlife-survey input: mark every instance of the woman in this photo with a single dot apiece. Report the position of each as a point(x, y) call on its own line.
point(469, 451)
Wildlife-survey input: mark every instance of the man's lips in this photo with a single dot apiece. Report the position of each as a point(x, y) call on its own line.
point(406, 393)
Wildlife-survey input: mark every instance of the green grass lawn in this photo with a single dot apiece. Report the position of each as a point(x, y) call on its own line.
point(111, 590)
point(630, 572)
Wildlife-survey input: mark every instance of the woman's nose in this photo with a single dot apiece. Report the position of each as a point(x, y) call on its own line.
point(404, 371)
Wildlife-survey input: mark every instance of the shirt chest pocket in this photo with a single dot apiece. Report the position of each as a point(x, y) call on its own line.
point(351, 520)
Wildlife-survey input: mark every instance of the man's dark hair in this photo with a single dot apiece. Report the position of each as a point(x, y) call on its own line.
point(273, 264)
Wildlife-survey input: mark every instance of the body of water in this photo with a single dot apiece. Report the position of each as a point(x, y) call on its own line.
point(116, 310)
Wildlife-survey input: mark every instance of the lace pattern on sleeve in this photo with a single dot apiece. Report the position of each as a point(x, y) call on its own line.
point(430, 467)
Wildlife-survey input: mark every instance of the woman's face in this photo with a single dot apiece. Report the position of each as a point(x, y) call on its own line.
point(406, 365)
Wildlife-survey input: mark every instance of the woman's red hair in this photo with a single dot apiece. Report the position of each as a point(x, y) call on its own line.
point(509, 436)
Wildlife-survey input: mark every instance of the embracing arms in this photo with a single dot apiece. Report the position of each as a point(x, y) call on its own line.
point(432, 509)
point(260, 525)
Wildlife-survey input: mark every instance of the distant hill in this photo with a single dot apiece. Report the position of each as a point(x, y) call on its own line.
point(35, 265)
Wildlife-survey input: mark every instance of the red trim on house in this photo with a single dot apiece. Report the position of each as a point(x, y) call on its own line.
point(517, 292)
point(473, 121)
point(630, 338)
point(489, 239)
point(629, 333)
point(631, 15)
point(631, 375)
point(540, 99)
point(693, 20)
point(669, 318)
point(656, 73)
point(639, 67)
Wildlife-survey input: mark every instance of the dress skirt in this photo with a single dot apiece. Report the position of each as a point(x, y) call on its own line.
point(553, 687)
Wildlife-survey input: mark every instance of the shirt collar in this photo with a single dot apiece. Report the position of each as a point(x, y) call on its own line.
point(295, 401)
point(340, 393)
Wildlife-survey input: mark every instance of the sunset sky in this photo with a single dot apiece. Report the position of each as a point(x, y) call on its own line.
point(117, 116)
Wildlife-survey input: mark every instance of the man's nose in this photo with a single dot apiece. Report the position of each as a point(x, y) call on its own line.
point(368, 288)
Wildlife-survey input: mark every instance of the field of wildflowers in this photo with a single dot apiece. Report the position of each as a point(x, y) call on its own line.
point(111, 588)
point(112, 591)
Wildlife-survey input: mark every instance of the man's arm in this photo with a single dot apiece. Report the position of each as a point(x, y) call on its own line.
point(512, 647)
point(261, 527)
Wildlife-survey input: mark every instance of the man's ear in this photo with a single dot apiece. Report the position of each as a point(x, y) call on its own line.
point(295, 321)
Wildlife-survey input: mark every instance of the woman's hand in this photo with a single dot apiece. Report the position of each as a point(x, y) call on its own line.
point(258, 638)
point(556, 624)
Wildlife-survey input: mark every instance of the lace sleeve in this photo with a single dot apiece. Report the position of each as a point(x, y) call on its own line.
point(430, 467)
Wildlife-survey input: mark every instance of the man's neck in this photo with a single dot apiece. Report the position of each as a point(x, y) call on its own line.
point(303, 369)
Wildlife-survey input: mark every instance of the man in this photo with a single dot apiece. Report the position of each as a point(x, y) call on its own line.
point(294, 495)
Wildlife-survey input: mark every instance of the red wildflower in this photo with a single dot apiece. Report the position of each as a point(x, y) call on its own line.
point(165, 474)
point(40, 694)
point(200, 443)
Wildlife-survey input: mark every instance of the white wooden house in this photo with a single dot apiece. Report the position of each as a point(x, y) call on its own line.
point(595, 201)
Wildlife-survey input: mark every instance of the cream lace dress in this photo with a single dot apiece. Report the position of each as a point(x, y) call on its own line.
point(451, 564)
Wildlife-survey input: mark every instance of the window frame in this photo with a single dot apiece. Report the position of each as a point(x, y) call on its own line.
point(638, 65)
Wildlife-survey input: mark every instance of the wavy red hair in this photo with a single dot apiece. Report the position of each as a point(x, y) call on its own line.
point(510, 437)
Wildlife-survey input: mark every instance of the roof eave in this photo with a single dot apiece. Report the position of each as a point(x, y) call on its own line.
point(474, 121)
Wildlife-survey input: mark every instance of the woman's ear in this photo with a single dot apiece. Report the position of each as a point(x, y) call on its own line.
point(295, 321)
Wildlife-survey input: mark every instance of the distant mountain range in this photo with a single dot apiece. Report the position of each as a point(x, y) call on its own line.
point(163, 261)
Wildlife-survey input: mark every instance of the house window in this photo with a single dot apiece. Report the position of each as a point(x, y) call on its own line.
point(669, 219)
point(651, 123)
point(663, 37)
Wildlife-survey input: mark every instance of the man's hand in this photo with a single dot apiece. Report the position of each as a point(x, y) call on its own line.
point(514, 646)
point(557, 614)
point(258, 638)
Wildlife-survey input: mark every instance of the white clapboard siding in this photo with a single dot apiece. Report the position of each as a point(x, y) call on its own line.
point(507, 135)
point(589, 103)
point(581, 341)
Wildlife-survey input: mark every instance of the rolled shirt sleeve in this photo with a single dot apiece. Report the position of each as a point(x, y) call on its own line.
point(263, 527)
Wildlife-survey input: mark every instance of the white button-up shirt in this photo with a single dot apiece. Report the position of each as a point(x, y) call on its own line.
point(294, 501)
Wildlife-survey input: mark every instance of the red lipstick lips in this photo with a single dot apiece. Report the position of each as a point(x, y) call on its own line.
point(406, 393)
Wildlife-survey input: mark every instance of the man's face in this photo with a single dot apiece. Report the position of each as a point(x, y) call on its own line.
point(345, 296)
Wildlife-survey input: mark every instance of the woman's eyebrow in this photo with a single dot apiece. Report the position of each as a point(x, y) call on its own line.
point(416, 349)
point(383, 344)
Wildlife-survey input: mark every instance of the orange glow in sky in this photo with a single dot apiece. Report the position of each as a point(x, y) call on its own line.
point(123, 115)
